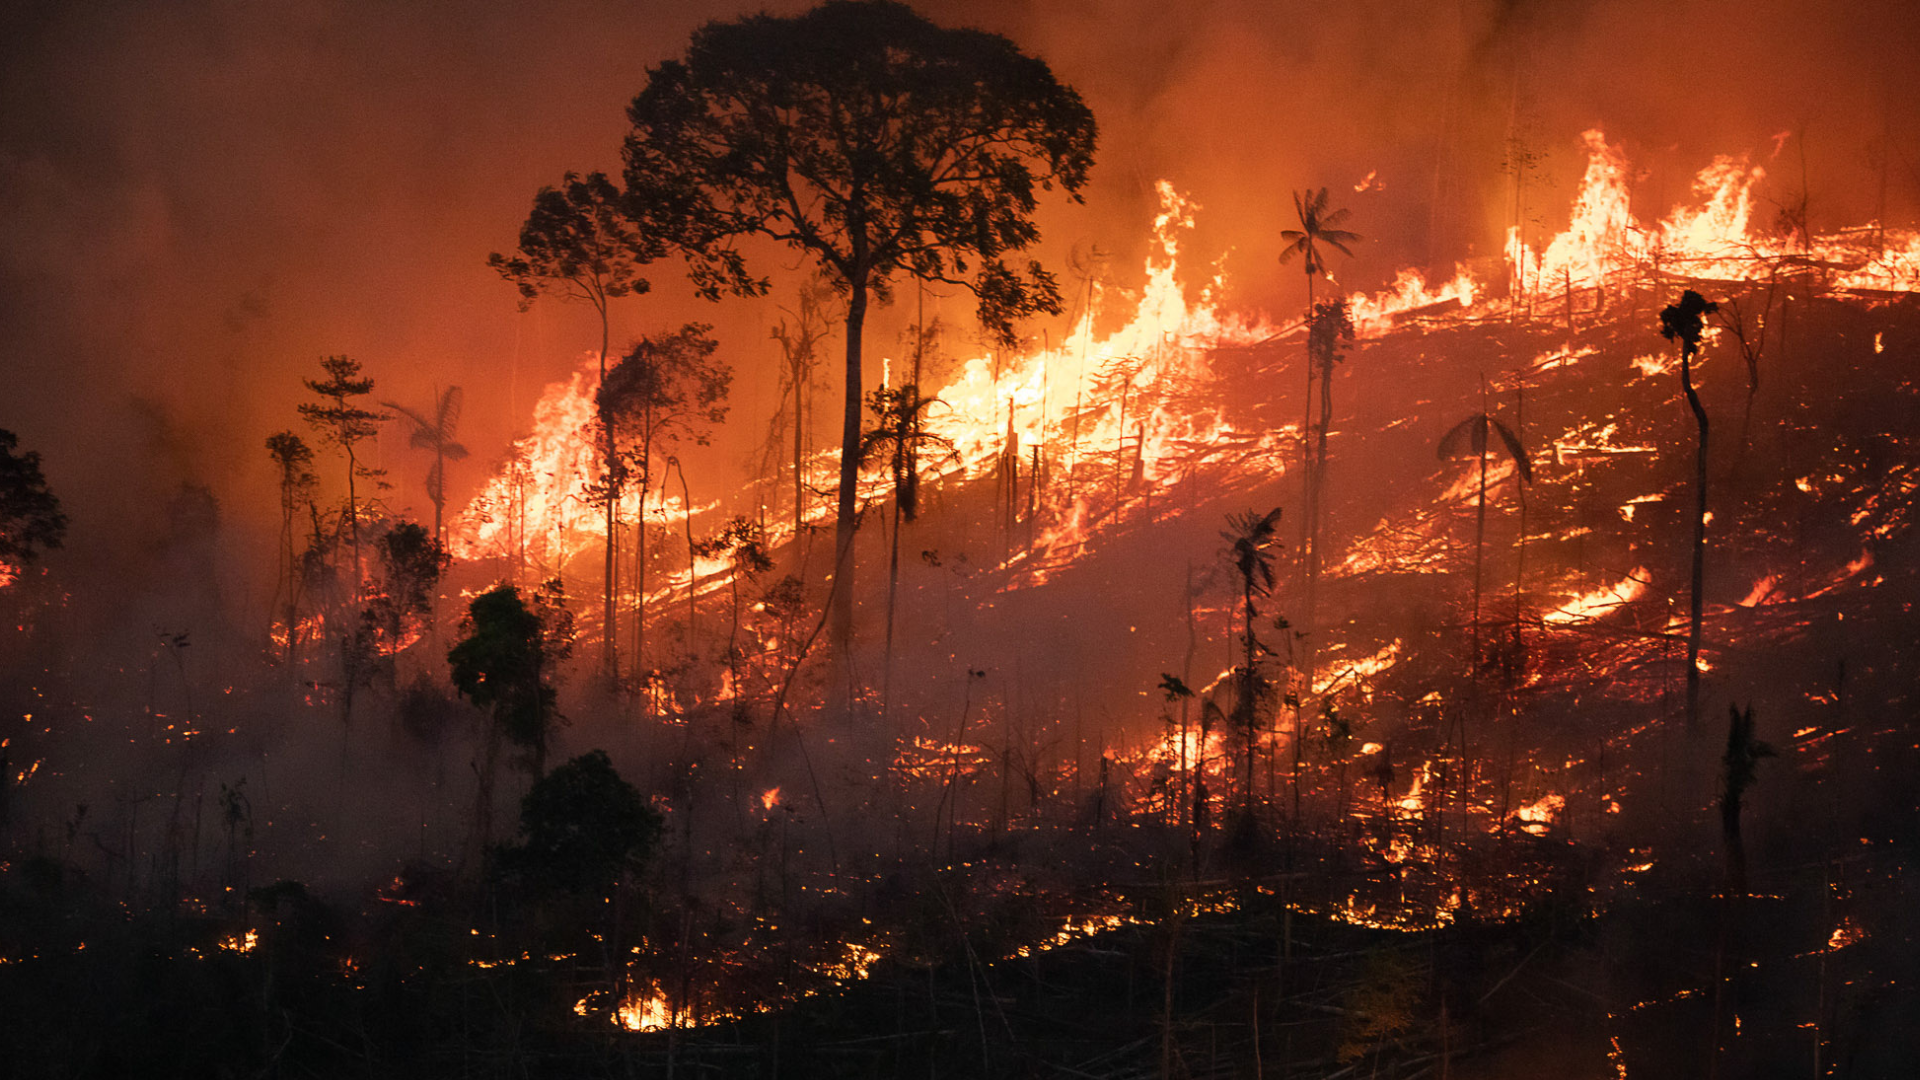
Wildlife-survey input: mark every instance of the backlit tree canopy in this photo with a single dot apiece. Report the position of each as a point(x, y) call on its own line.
point(875, 142)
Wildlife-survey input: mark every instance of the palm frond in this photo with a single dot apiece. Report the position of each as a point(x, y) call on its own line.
point(1515, 450)
point(451, 399)
point(1468, 438)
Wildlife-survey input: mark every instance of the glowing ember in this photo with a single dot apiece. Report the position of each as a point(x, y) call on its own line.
point(1847, 933)
point(770, 798)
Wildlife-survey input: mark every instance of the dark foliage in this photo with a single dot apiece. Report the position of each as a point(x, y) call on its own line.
point(30, 517)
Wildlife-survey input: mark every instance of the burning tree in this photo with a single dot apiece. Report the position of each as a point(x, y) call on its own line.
point(667, 388)
point(579, 243)
point(876, 143)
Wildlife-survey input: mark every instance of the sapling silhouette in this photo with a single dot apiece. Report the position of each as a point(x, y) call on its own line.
point(1474, 436)
point(666, 390)
point(1176, 690)
point(900, 434)
point(1739, 772)
point(1251, 538)
point(1685, 322)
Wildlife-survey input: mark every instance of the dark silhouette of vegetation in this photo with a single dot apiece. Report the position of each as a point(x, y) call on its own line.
point(1251, 538)
point(30, 517)
point(291, 459)
point(410, 563)
point(1684, 322)
point(877, 144)
point(1329, 327)
point(583, 827)
point(799, 332)
point(1474, 436)
point(667, 389)
point(579, 243)
point(1739, 771)
point(900, 435)
point(1319, 230)
point(346, 425)
point(435, 430)
point(506, 664)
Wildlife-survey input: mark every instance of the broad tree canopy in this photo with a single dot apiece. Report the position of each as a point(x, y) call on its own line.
point(876, 143)
point(866, 136)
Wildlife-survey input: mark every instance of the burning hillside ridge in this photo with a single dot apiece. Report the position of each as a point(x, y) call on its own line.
point(1408, 750)
point(1100, 415)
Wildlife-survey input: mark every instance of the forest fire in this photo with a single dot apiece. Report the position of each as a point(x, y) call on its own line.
point(975, 555)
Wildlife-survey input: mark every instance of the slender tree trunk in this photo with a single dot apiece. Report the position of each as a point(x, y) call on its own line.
point(353, 521)
point(893, 589)
point(847, 500)
point(1695, 598)
point(1479, 545)
point(799, 418)
point(693, 567)
point(610, 646)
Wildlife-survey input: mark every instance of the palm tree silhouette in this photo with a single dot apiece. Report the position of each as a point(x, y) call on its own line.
point(1319, 230)
point(1251, 538)
point(1474, 436)
point(434, 431)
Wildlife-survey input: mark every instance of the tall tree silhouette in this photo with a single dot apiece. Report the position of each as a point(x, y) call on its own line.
point(291, 459)
point(579, 243)
point(434, 430)
point(799, 332)
point(1474, 436)
point(1684, 322)
point(667, 389)
point(344, 423)
point(1319, 231)
point(875, 143)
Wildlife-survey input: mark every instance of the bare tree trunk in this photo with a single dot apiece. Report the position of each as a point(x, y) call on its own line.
point(610, 645)
point(845, 519)
point(1695, 599)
